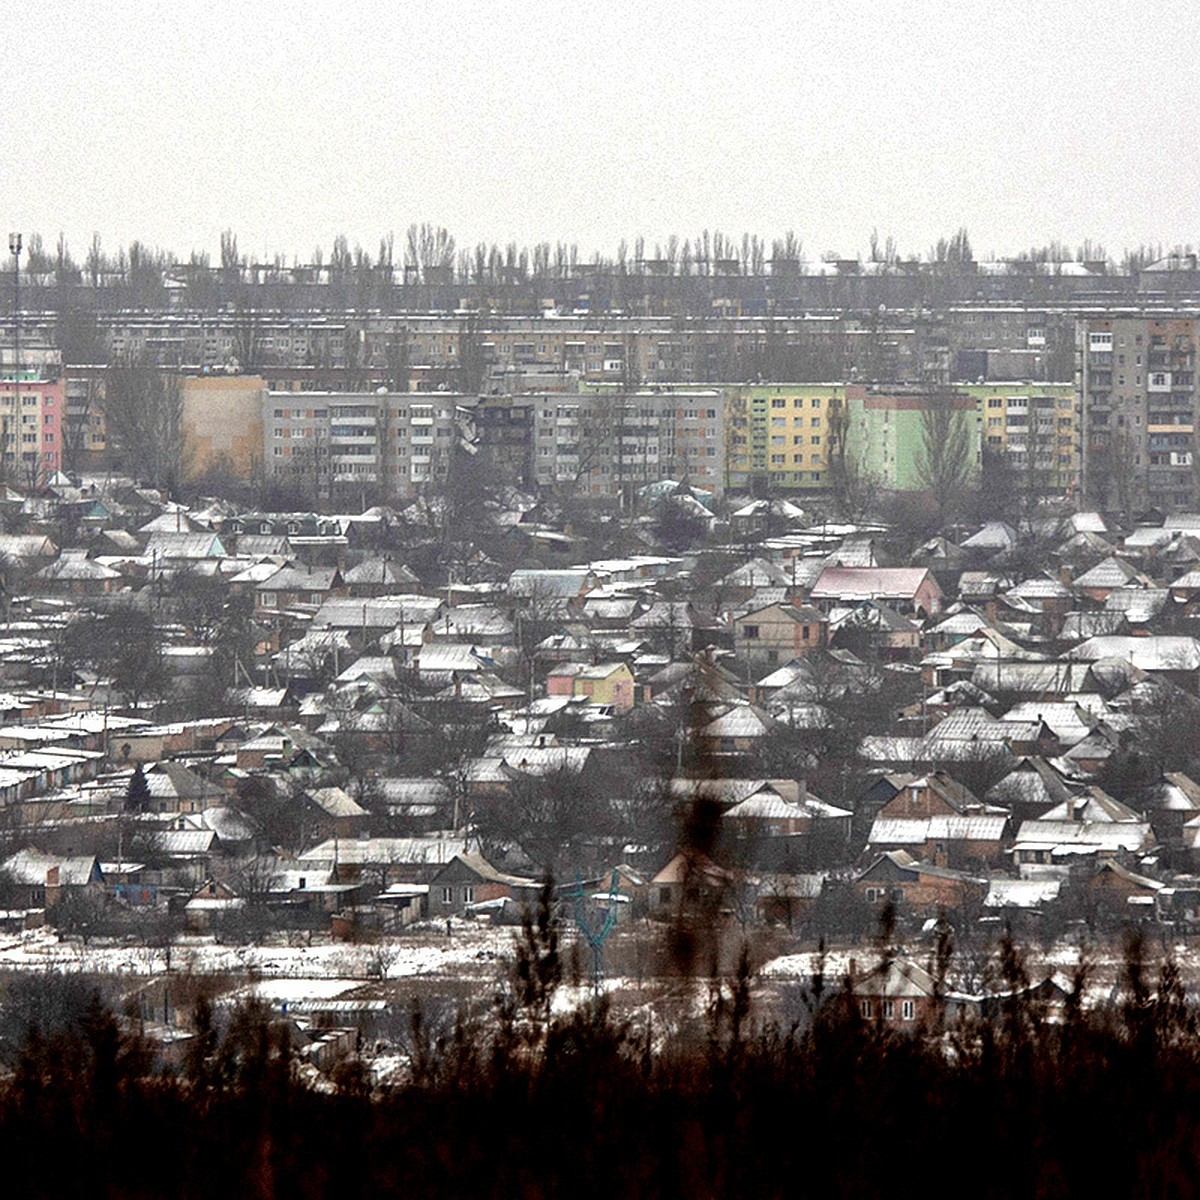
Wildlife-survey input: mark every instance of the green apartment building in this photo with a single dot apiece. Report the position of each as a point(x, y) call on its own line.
point(777, 435)
point(1036, 426)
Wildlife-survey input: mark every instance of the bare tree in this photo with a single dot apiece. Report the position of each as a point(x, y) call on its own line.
point(143, 408)
point(945, 461)
point(247, 337)
point(855, 490)
point(1112, 474)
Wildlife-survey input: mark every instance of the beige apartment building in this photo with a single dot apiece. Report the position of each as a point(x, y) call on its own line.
point(340, 441)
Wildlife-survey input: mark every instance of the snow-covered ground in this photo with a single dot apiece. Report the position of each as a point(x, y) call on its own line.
point(325, 969)
point(471, 950)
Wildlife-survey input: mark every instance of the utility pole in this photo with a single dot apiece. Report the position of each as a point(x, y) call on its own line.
point(14, 246)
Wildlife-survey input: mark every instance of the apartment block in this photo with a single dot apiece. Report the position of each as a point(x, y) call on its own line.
point(33, 401)
point(1034, 426)
point(603, 443)
point(222, 422)
point(885, 430)
point(344, 440)
point(1136, 387)
point(778, 434)
point(85, 431)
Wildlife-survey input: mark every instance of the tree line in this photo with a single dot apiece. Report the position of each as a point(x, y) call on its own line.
point(427, 254)
point(511, 1099)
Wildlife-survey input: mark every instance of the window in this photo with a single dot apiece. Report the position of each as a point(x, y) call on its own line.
point(889, 1009)
point(468, 894)
point(447, 895)
point(907, 1010)
point(864, 1007)
point(750, 631)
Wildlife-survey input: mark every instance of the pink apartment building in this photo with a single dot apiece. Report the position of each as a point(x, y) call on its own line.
point(32, 405)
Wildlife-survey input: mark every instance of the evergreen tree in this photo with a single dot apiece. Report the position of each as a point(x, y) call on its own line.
point(137, 797)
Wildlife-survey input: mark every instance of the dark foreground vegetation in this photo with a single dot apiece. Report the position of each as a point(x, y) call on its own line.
point(514, 1102)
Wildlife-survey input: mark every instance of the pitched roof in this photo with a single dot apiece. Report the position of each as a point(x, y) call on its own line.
point(1084, 837)
point(865, 583)
point(1155, 653)
point(916, 831)
point(29, 867)
point(1110, 572)
point(334, 802)
point(300, 579)
point(379, 571)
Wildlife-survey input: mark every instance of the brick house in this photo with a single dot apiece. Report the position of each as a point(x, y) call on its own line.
point(902, 996)
point(470, 879)
point(907, 589)
point(917, 887)
point(777, 633)
point(609, 684)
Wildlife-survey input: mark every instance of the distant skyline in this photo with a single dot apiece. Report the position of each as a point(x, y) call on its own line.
point(590, 124)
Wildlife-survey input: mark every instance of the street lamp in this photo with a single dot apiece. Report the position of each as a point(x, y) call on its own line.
point(14, 248)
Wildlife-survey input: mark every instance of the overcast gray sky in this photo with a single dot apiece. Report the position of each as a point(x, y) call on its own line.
point(591, 122)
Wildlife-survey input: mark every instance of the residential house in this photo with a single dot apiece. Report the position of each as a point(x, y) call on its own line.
point(903, 996)
point(692, 883)
point(608, 684)
point(469, 879)
point(41, 880)
point(298, 587)
point(778, 633)
point(918, 887)
point(911, 589)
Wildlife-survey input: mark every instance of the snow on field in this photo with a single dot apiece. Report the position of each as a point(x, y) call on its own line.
point(471, 948)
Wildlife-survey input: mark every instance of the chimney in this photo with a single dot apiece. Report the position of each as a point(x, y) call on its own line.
point(803, 790)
